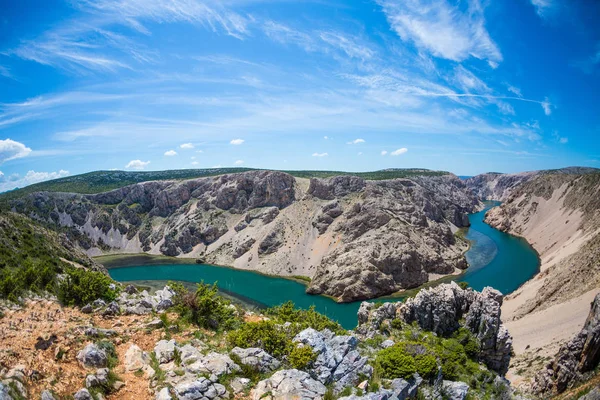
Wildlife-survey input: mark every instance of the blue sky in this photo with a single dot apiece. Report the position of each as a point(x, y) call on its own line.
point(466, 86)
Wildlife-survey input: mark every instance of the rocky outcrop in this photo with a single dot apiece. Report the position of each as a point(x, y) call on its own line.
point(495, 186)
point(92, 357)
point(574, 359)
point(443, 310)
point(256, 358)
point(201, 388)
point(338, 361)
point(399, 389)
point(356, 239)
point(289, 384)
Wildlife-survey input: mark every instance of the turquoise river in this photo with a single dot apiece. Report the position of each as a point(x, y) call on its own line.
point(495, 259)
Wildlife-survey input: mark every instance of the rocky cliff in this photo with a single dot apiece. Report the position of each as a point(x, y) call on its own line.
point(356, 239)
point(496, 186)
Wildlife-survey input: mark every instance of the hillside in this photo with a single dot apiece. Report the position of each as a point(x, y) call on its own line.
point(104, 181)
point(355, 238)
point(559, 214)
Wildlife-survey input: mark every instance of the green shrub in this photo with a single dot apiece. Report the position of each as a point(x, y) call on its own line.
point(301, 357)
point(394, 362)
point(287, 312)
point(264, 334)
point(204, 308)
point(397, 323)
point(80, 287)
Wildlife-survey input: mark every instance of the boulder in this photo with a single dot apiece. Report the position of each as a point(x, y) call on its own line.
point(289, 384)
point(213, 364)
point(201, 388)
point(98, 379)
point(164, 394)
point(239, 384)
point(112, 309)
point(257, 358)
point(5, 392)
point(135, 358)
point(338, 360)
point(165, 351)
point(87, 309)
point(454, 390)
point(594, 394)
point(83, 394)
point(46, 395)
point(92, 357)
point(130, 289)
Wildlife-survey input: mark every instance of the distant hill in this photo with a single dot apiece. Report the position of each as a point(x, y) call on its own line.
point(103, 181)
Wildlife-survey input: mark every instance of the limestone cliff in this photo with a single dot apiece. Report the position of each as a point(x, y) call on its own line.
point(495, 186)
point(356, 239)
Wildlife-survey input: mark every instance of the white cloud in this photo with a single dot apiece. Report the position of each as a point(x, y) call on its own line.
point(443, 29)
point(399, 151)
point(544, 8)
point(560, 139)
point(468, 81)
point(357, 141)
point(195, 163)
point(16, 181)
point(348, 45)
point(326, 137)
point(515, 90)
point(187, 146)
point(546, 106)
point(199, 151)
point(10, 150)
point(384, 153)
point(170, 153)
point(237, 142)
point(239, 162)
point(137, 164)
point(320, 154)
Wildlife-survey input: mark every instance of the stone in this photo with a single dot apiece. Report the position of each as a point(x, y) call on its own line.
point(99, 332)
point(164, 305)
point(154, 324)
point(5, 392)
point(118, 385)
point(46, 395)
point(164, 394)
point(130, 289)
point(338, 360)
point(594, 394)
point(213, 363)
point(165, 351)
point(83, 394)
point(98, 379)
point(98, 303)
point(112, 309)
point(201, 388)
point(136, 358)
point(92, 357)
point(386, 343)
point(454, 390)
point(239, 384)
point(87, 309)
point(289, 384)
point(257, 358)
point(17, 372)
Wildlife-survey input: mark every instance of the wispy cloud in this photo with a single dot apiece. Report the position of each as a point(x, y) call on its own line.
point(239, 162)
point(170, 153)
point(18, 181)
point(186, 146)
point(356, 141)
point(320, 154)
point(384, 153)
point(442, 28)
point(547, 106)
point(348, 45)
point(589, 64)
point(137, 164)
point(399, 152)
point(237, 142)
point(545, 8)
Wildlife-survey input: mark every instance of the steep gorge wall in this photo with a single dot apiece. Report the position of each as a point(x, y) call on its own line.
point(559, 215)
point(356, 239)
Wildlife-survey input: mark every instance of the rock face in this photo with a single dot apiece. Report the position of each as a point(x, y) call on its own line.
point(576, 357)
point(442, 309)
point(289, 384)
point(257, 358)
point(199, 389)
point(494, 186)
point(338, 360)
point(400, 389)
point(92, 357)
point(356, 239)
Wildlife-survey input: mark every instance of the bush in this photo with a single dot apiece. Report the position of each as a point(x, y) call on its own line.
point(80, 287)
point(204, 308)
point(264, 334)
point(394, 362)
point(304, 318)
point(301, 357)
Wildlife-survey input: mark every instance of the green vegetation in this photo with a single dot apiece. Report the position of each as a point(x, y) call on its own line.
point(301, 357)
point(33, 258)
point(266, 335)
point(303, 319)
point(103, 181)
point(404, 359)
point(204, 308)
